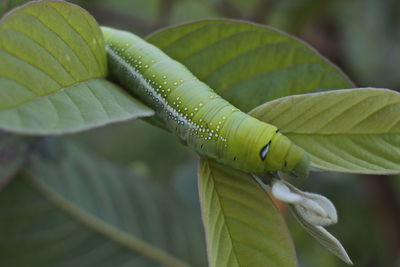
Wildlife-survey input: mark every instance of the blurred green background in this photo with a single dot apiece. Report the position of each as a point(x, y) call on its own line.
point(361, 36)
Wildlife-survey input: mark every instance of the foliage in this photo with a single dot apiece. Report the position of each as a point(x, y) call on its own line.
point(101, 213)
point(342, 130)
point(243, 227)
point(226, 55)
point(63, 61)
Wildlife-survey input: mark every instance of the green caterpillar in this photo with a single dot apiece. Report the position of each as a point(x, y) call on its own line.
point(196, 114)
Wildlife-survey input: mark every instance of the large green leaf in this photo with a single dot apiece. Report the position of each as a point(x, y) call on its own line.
point(69, 209)
point(248, 64)
point(356, 130)
point(13, 153)
point(52, 63)
point(243, 227)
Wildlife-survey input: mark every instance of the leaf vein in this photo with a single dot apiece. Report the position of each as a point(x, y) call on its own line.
point(60, 38)
point(80, 36)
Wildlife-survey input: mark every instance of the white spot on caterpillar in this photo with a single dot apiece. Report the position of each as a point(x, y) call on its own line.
point(164, 77)
point(175, 83)
point(200, 104)
point(196, 109)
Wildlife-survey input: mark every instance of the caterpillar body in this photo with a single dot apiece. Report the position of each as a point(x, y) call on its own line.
point(196, 114)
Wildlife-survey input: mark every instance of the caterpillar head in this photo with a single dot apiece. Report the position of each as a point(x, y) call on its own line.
point(287, 157)
point(302, 167)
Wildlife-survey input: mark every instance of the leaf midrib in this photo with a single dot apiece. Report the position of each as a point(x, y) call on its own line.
point(110, 232)
point(222, 211)
point(51, 93)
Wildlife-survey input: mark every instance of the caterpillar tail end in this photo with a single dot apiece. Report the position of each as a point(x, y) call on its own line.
point(302, 168)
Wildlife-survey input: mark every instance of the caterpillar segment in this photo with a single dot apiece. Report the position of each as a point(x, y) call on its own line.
point(196, 114)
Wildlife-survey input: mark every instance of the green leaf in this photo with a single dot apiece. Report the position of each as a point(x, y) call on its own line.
point(13, 153)
point(248, 64)
point(52, 63)
point(243, 227)
point(69, 209)
point(356, 130)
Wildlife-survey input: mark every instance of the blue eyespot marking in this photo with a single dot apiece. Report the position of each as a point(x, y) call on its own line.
point(264, 151)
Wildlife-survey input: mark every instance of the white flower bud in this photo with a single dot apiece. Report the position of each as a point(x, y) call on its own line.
point(312, 211)
point(314, 208)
